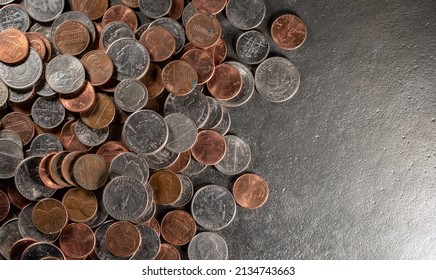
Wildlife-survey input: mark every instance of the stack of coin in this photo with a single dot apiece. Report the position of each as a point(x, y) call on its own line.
point(107, 110)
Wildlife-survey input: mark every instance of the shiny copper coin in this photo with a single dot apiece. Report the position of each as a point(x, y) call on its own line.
point(47, 44)
point(16, 198)
point(120, 13)
point(69, 138)
point(203, 63)
point(210, 147)
point(101, 114)
point(49, 216)
point(81, 204)
point(178, 227)
point(131, 3)
point(167, 252)
point(159, 42)
point(90, 171)
point(209, 6)
point(154, 224)
point(94, 9)
point(166, 186)
point(21, 124)
point(109, 150)
point(80, 101)
point(99, 67)
point(153, 81)
point(71, 37)
point(5, 205)
point(225, 83)
point(67, 166)
point(122, 239)
point(179, 77)
point(37, 43)
point(77, 241)
point(250, 191)
point(44, 172)
point(19, 247)
point(288, 31)
point(176, 10)
point(13, 45)
point(181, 163)
point(219, 51)
point(203, 30)
point(55, 166)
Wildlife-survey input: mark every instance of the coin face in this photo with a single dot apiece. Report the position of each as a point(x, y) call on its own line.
point(14, 44)
point(114, 31)
point(90, 136)
point(237, 156)
point(153, 81)
point(181, 163)
point(162, 159)
point(69, 138)
point(203, 30)
point(215, 113)
point(155, 9)
point(19, 246)
point(14, 16)
point(101, 114)
point(27, 228)
point(210, 6)
point(178, 227)
point(48, 112)
point(225, 83)
point(150, 244)
point(90, 171)
point(101, 251)
point(245, 14)
point(9, 234)
point(203, 63)
point(179, 77)
point(122, 239)
point(174, 27)
point(81, 101)
point(167, 252)
point(49, 216)
point(247, 88)
point(131, 165)
point(81, 204)
point(159, 42)
point(11, 154)
point(167, 187)
point(250, 191)
point(94, 9)
point(288, 31)
point(98, 66)
point(207, 246)
point(44, 10)
point(131, 95)
point(42, 250)
point(252, 47)
point(209, 148)
point(65, 74)
point(77, 240)
point(120, 13)
point(77, 16)
point(182, 132)
point(71, 37)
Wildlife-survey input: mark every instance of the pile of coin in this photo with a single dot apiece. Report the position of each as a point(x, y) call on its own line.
point(88, 152)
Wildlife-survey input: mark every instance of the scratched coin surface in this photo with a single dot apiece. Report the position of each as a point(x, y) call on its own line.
point(288, 31)
point(237, 156)
point(209, 148)
point(49, 216)
point(122, 239)
point(77, 240)
point(131, 95)
point(45, 143)
point(155, 9)
point(24, 74)
point(250, 191)
point(9, 234)
point(81, 204)
point(14, 16)
point(277, 79)
point(182, 132)
point(90, 136)
point(90, 171)
point(42, 250)
point(167, 187)
point(65, 74)
point(44, 10)
point(252, 47)
point(27, 228)
point(150, 244)
point(114, 31)
point(247, 88)
point(207, 246)
point(48, 112)
point(11, 155)
point(245, 14)
point(14, 45)
point(178, 227)
point(213, 207)
point(131, 165)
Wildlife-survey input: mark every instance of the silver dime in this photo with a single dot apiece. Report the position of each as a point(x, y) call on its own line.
point(65, 74)
point(11, 155)
point(237, 156)
point(277, 79)
point(187, 191)
point(188, 12)
point(150, 244)
point(28, 182)
point(207, 246)
point(131, 95)
point(141, 29)
point(161, 159)
point(101, 214)
point(145, 132)
point(182, 132)
point(252, 47)
point(213, 207)
point(48, 112)
point(42, 250)
point(9, 234)
point(14, 16)
point(130, 57)
point(27, 228)
point(245, 14)
point(194, 105)
point(11, 136)
point(247, 88)
point(45, 143)
point(215, 113)
point(224, 125)
point(125, 198)
point(44, 10)
point(114, 31)
point(43, 29)
point(90, 136)
point(175, 28)
point(194, 168)
point(43, 89)
point(21, 95)
point(131, 165)
point(100, 249)
point(77, 16)
point(4, 94)
point(155, 9)
point(22, 75)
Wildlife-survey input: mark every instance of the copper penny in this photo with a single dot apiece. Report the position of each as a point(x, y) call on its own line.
point(179, 77)
point(49, 216)
point(90, 171)
point(176, 10)
point(21, 124)
point(250, 191)
point(209, 6)
point(94, 9)
point(288, 31)
point(5, 205)
point(71, 37)
point(154, 224)
point(14, 46)
point(37, 43)
point(16, 198)
point(131, 3)
point(159, 42)
point(178, 227)
point(77, 241)
point(166, 186)
point(98, 30)
point(210, 147)
point(44, 174)
point(122, 239)
point(47, 44)
point(80, 101)
point(203, 63)
point(67, 166)
point(181, 163)
point(203, 30)
point(69, 138)
point(219, 51)
point(153, 81)
point(225, 83)
point(110, 85)
point(99, 67)
point(55, 165)
point(109, 150)
point(81, 204)
point(19, 247)
point(101, 114)
point(120, 13)
point(167, 252)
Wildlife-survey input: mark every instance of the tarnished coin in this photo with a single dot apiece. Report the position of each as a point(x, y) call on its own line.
point(215, 113)
point(203, 30)
point(109, 150)
point(130, 57)
point(174, 27)
point(45, 143)
point(131, 95)
point(194, 168)
point(182, 132)
point(19, 247)
point(49, 216)
point(94, 9)
point(188, 12)
point(9, 234)
point(130, 165)
point(48, 112)
point(277, 79)
point(43, 89)
point(176, 9)
point(42, 250)
point(16, 198)
point(288, 31)
point(23, 97)
point(210, 6)
point(153, 81)
point(77, 16)
point(120, 13)
point(155, 9)
point(11, 155)
point(209, 148)
point(161, 160)
point(65, 74)
point(101, 251)
point(237, 156)
point(69, 138)
point(90, 136)
point(80, 204)
point(245, 14)
point(187, 191)
point(252, 47)
point(178, 227)
point(10, 135)
point(90, 171)
point(225, 83)
point(101, 215)
point(77, 240)
point(37, 43)
point(44, 173)
point(203, 63)
point(207, 246)
point(55, 168)
point(81, 100)
point(247, 88)
point(44, 10)
point(14, 16)
point(145, 132)
point(150, 212)
point(181, 163)
point(154, 224)
point(98, 66)
point(125, 198)
point(179, 77)
point(27, 228)
point(224, 125)
point(14, 46)
point(250, 191)
point(150, 244)
point(122, 239)
point(101, 114)
point(213, 207)
point(167, 252)
point(159, 42)
point(167, 187)
point(24, 74)
point(5, 205)
point(71, 37)
point(114, 31)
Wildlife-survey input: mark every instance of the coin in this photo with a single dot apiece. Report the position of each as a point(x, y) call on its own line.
point(150, 244)
point(215, 113)
point(209, 148)
point(247, 88)
point(14, 16)
point(41, 250)
point(203, 63)
point(149, 213)
point(55, 166)
point(237, 156)
point(80, 101)
point(80, 204)
point(114, 31)
point(37, 44)
point(194, 168)
point(48, 112)
point(44, 174)
point(120, 13)
point(153, 81)
point(252, 47)
point(188, 12)
point(131, 3)
point(178, 227)
point(288, 31)
point(154, 224)
point(77, 240)
point(77, 16)
point(65, 74)
point(94, 9)
point(225, 83)
point(27, 228)
point(109, 150)
point(11, 136)
point(277, 79)
point(250, 191)
point(90, 136)
point(131, 95)
point(182, 132)
point(44, 10)
point(176, 10)
point(167, 187)
point(101, 114)
point(181, 163)
point(101, 251)
point(19, 247)
point(43, 89)
point(210, 6)
point(213, 207)
point(101, 214)
point(167, 252)
point(47, 44)
point(45, 143)
point(207, 246)
point(90, 171)
point(16, 198)
point(11, 154)
point(4, 94)
point(9, 234)
point(49, 216)
point(174, 27)
point(131, 165)
point(155, 9)
point(245, 14)
point(122, 239)
point(161, 160)
point(179, 77)
point(187, 191)
point(203, 30)
point(159, 42)
point(224, 125)
point(71, 37)
point(14, 45)
point(98, 66)
point(5, 205)
point(69, 138)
